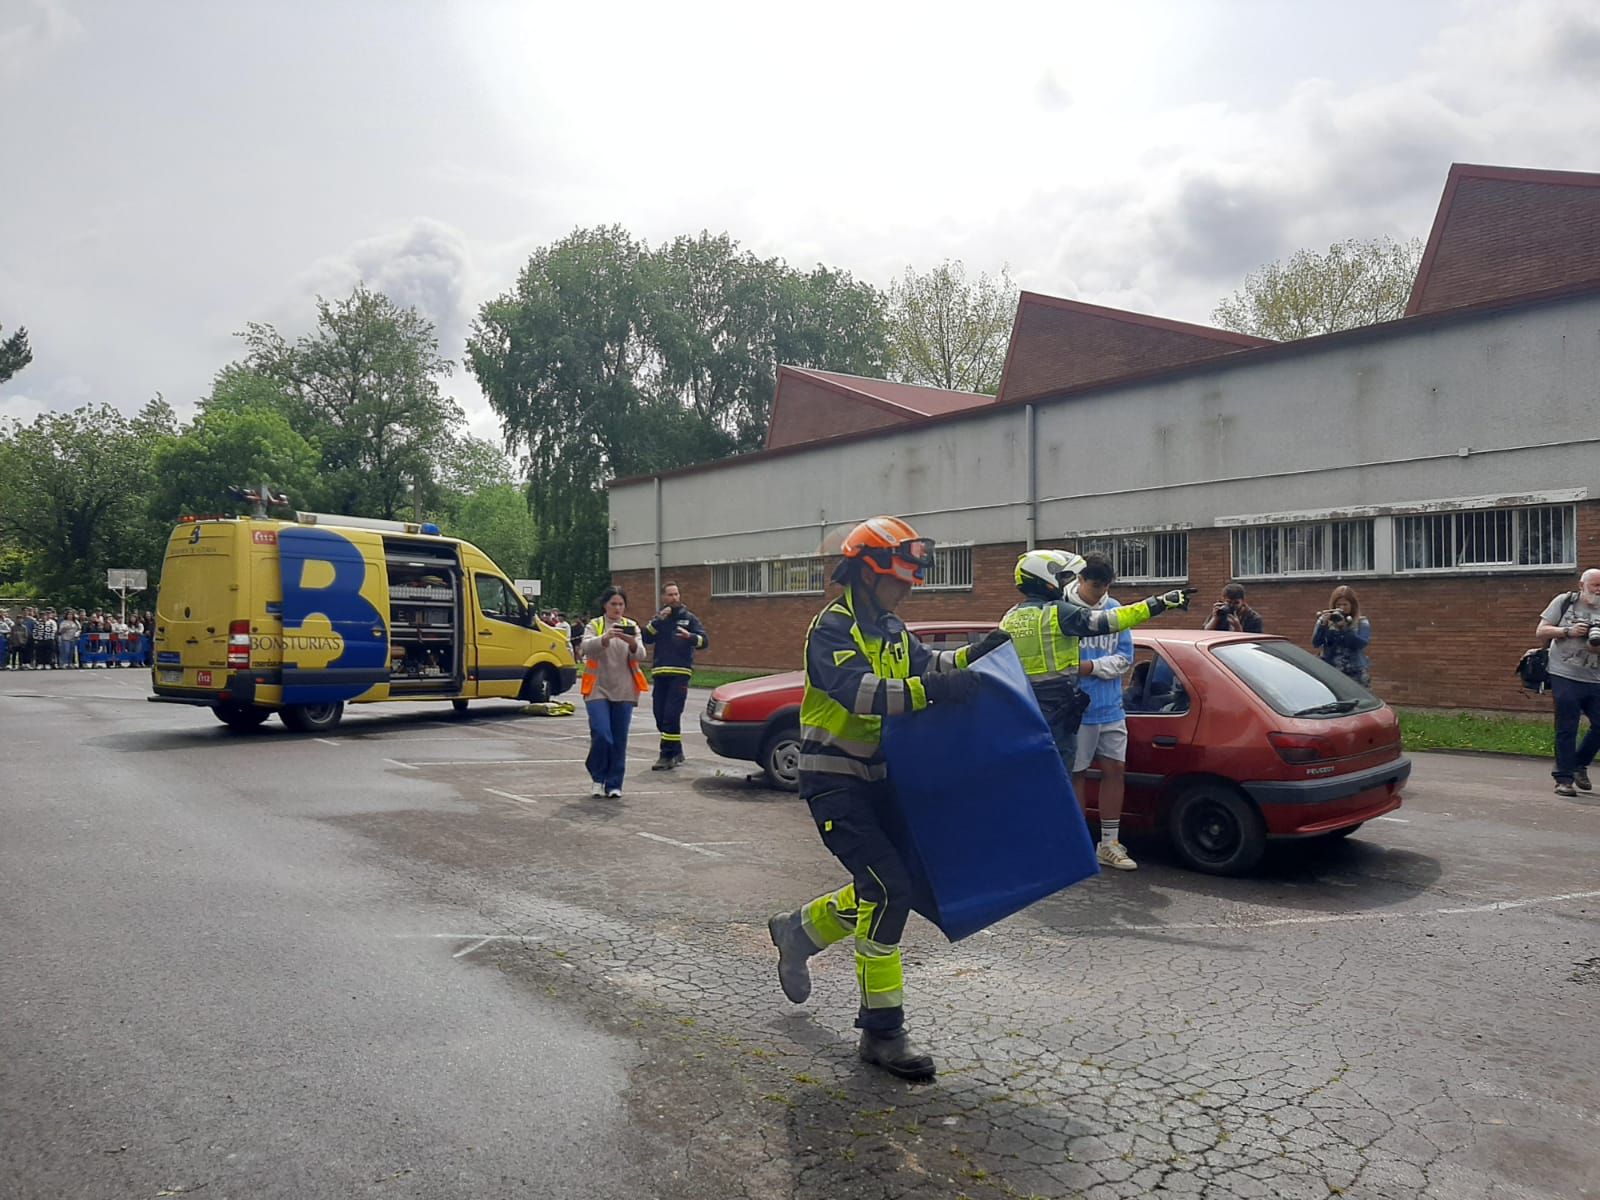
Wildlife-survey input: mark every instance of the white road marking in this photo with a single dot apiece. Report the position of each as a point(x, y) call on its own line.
point(1345, 918)
point(325, 741)
point(397, 763)
point(478, 945)
point(1396, 820)
point(705, 843)
point(487, 762)
point(656, 837)
point(1501, 905)
point(511, 796)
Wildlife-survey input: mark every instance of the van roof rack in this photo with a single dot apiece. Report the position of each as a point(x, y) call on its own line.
point(311, 518)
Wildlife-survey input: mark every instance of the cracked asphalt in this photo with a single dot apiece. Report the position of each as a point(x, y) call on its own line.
point(416, 959)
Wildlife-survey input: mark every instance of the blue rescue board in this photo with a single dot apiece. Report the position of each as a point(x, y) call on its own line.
point(983, 809)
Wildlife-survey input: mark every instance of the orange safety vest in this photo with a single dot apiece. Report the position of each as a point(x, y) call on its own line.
point(591, 666)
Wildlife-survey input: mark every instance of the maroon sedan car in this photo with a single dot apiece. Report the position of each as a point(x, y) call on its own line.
point(1233, 739)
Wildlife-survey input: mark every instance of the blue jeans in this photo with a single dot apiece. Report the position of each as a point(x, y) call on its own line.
point(608, 741)
point(1574, 699)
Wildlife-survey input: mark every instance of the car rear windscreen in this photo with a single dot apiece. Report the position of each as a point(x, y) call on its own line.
point(1294, 683)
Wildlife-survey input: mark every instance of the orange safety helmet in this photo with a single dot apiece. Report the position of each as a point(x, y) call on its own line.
point(889, 546)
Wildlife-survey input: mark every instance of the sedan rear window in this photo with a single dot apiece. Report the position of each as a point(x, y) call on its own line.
point(1294, 683)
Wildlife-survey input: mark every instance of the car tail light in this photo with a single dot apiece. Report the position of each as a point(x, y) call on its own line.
point(239, 644)
point(1301, 747)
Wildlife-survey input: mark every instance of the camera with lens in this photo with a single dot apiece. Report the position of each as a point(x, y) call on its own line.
point(1594, 639)
point(1336, 619)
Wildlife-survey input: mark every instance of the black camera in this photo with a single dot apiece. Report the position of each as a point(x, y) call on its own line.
point(1336, 617)
point(1594, 639)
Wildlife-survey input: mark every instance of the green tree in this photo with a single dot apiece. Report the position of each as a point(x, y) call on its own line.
point(497, 521)
point(1355, 283)
point(947, 331)
point(224, 448)
point(610, 359)
point(557, 356)
point(15, 354)
point(364, 387)
point(72, 496)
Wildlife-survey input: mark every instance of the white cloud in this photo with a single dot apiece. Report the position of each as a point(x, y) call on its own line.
point(1143, 156)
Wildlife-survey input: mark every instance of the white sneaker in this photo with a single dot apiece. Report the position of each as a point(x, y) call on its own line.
point(597, 789)
point(1112, 854)
point(614, 794)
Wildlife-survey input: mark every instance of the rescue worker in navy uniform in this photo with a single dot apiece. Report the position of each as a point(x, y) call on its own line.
point(676, 633)
point(862, 667)
point(1045, 628)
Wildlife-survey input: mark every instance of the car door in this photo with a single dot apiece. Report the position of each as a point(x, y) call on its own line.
point(500, 635)
point(1163, 712)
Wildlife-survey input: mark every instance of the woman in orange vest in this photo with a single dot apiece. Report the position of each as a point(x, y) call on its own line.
point(612, 683)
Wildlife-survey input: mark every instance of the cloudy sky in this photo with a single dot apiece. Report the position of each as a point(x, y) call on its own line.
point(172, 170)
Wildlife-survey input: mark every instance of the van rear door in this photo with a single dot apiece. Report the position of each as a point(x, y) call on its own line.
point(198, 597)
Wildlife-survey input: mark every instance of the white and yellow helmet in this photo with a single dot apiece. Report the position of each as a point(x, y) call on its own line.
point(1052, 568)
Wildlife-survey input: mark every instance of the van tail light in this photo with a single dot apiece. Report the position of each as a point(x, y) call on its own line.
point(239, 644)
point(1301, 747)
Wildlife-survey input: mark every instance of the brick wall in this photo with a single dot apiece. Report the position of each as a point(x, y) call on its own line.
point(804, 410)
point(1448, 642)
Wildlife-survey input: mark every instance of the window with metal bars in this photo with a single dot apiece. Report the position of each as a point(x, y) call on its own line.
point(1487, 539)
point(1144, 557)
point(1307, 548)
point(951, 571)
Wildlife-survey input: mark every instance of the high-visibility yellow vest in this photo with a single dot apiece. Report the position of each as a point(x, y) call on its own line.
point(828, 726)
point(1036, 633)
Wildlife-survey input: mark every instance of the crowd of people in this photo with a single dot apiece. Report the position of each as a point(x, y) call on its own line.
point(39, 639)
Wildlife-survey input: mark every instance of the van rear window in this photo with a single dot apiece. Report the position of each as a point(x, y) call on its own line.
point(1294, 683)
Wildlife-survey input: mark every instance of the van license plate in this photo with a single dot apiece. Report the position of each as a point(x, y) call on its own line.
point(172, 676)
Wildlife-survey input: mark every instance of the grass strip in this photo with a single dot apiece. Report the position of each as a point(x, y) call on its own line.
point(710, 677)
point(1485, 732)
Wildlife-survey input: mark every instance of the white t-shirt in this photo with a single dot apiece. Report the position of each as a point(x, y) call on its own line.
point(1571, 658)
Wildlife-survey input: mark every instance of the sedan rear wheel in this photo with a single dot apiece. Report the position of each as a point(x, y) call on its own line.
point(780, 758)
point(1216, 830)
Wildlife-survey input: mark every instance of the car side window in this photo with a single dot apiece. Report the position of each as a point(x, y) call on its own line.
point(1153, 687)
point(497, 600)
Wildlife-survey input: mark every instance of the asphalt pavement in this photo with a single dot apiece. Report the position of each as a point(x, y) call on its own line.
point(415, 959)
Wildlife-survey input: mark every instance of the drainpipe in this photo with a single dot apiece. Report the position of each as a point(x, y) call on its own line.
point(656, 598)
point(1030, 436)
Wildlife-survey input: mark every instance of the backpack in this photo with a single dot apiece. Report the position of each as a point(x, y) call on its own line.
point(1533, 668)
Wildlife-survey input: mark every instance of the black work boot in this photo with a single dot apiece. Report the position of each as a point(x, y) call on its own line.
point(896, 1054)
point(661, 764)
point(794, 947)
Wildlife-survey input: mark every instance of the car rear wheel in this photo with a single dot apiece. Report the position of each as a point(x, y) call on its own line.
point(1216, 830)
point(313, 718)
point(780, 758)
point(241, 716)
point(539, 686)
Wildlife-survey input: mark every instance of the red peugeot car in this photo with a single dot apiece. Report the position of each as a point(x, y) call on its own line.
point(1233, 738)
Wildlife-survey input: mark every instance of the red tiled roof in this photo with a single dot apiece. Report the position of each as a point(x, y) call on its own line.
point(810, 404)
point(914, 399)
point(1060, 344)
point(1508, 231)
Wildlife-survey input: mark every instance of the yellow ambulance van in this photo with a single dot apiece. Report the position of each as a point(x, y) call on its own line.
point(258, 615)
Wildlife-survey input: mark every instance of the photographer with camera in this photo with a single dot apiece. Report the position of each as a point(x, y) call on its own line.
point(1342, 634)
point(1232, 615)
point(1572, 622)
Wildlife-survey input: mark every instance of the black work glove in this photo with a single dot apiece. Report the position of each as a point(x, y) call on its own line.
point(992, 640)
point(950, 687)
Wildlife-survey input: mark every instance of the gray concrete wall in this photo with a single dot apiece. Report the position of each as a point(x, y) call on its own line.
point(1375, 422)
